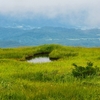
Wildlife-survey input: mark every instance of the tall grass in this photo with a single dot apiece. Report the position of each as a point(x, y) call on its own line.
point(20, 80)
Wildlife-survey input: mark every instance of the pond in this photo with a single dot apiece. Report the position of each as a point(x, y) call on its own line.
point(39, 60)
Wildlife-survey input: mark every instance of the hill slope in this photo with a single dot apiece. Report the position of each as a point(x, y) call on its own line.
point(12, 37)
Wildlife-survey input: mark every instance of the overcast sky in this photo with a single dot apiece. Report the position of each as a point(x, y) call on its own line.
point(86, 12)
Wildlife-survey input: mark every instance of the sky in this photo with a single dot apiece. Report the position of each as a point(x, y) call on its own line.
point(80, 13)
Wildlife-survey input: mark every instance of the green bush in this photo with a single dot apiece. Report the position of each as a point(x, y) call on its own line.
point(83, 72)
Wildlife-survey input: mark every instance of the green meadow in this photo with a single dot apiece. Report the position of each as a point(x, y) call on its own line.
point(21, 80)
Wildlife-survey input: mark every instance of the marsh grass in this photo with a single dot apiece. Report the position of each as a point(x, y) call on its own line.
point(20, 80)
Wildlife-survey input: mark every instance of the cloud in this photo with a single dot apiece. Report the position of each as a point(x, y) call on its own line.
point(80, 12)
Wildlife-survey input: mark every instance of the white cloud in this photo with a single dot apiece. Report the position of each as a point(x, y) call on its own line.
point(75, 11)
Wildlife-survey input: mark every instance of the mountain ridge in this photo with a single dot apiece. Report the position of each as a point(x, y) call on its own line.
point(49, 35)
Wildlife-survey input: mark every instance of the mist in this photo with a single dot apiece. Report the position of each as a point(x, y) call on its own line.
point(75, 12)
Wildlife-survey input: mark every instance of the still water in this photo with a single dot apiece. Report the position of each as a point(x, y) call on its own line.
point(40, 60)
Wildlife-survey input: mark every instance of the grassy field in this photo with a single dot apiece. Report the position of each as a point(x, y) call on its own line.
point(20, 80)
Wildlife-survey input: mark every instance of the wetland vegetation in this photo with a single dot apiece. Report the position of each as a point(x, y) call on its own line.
point(21, 80)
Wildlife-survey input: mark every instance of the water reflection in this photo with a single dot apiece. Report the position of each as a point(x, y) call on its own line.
point(40, 60)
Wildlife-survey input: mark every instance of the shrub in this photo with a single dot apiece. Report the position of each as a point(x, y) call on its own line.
point(83, 72)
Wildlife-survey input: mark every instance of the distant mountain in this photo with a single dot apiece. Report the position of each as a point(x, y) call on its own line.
point(14, 37)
